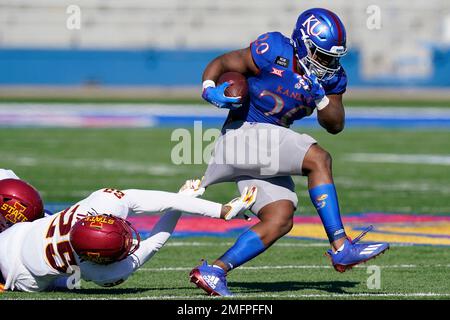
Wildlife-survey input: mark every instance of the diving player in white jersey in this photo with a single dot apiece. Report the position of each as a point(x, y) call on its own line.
point(35, 255)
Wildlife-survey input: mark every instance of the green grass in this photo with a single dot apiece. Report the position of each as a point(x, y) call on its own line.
point(68, 164)
point(425, 273)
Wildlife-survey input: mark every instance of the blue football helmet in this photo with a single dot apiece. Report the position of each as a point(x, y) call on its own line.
point(320, 40)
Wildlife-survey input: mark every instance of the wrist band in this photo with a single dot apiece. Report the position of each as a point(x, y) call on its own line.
point(208, 83)
point(322, 103)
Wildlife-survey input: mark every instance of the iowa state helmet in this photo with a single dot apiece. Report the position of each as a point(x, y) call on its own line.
point(19, 202)
point(103, 239)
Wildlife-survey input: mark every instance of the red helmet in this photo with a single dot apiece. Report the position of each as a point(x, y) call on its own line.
point(103, 239)
point(19, 202)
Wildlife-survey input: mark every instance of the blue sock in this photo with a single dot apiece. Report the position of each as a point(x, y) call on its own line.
point(325, 200)
point(247, 246)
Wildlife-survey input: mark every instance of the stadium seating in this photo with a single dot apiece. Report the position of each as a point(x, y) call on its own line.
point(415, 27)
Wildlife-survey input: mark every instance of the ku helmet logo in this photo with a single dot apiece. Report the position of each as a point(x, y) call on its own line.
point(314, 27)
point(15, 213)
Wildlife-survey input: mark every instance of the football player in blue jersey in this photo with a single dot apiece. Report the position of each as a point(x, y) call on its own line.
point(288, 79)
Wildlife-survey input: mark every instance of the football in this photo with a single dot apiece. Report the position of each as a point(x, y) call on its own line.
point(238, 85)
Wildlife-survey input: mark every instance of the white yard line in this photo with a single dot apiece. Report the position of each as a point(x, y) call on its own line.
point(433, 159)
point(308, 267)
point(397, 185)
point(426, 112)
point(262, 295)
point(116, 109)
point(93, 164)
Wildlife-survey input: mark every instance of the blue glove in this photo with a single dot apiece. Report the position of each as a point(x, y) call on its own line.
point(316, 90)
point(314, 87)
point(216, 96)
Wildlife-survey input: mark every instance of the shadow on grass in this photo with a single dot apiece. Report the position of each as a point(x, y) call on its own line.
point(328, 286)
point(114, 291)
point(110, 291)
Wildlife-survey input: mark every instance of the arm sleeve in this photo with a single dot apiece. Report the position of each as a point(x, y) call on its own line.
point(7, 174)
point(116, 273)
point(107, 201)
point(148, 201)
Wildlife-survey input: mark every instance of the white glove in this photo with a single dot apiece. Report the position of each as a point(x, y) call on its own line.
point(192, 188)
point(239, 205)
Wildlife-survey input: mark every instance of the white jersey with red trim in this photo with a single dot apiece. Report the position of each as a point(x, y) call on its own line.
point(34, 254)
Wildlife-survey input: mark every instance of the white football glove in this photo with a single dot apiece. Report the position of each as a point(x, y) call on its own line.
point(192, 188)
point(240, 204)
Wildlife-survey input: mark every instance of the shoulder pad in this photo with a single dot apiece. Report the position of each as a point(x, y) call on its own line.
point(267, 47)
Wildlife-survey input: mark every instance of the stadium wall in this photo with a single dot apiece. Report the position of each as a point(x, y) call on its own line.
point(141, 67)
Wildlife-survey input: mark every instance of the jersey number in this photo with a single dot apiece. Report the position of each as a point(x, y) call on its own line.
point(119, 194)
point(262, 47)
point(279, 105)
point(60, 256)
point(279, 102)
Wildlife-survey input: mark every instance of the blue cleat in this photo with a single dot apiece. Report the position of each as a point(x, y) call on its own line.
point(354, 253)
point(211, 279)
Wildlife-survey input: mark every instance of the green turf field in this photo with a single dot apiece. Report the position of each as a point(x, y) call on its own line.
point(297, 272)
point(68, 164)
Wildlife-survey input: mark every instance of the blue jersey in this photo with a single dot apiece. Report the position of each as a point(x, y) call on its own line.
point(276, 93)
